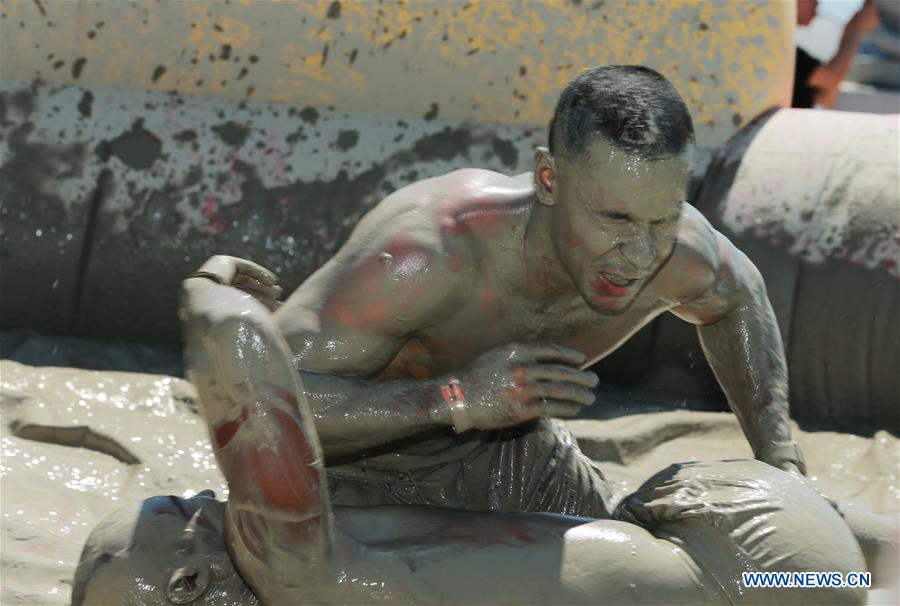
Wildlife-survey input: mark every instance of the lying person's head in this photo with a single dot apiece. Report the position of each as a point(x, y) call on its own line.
point(616, 173)
point(164, 550)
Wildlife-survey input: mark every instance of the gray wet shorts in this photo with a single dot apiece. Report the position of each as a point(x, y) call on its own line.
point(536, 466)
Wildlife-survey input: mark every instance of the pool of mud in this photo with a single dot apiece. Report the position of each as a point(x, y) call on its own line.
point(78, 444)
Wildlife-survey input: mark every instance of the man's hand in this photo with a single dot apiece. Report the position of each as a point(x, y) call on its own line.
point(785, 456)
point(791, 468)
point(866, 19)
point(245, 275)
point(516, 383)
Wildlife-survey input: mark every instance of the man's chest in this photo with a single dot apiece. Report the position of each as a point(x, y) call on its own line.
point(475, 329)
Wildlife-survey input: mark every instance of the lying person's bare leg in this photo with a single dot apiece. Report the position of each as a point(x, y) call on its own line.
point(278, 520)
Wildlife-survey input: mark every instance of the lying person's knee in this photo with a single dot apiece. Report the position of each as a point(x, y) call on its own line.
point(745, 516)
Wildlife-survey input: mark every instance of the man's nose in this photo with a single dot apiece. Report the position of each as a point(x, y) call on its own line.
point(639, 250)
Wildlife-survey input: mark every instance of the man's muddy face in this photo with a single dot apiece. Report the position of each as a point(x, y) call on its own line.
point(615, 220)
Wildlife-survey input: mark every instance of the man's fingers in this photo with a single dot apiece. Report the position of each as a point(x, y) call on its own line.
point(552, 352)
point(556, 408)
point(567, 374)
point(220, 266)
point(270, 303)
point(551, 390)
point(255, 270)
point(227, 268)
point(251, 283)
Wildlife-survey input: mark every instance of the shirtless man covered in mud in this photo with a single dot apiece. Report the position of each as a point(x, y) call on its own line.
point(462, 312)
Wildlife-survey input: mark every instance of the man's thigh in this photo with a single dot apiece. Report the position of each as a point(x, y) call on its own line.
point(536, 466)
point(428, 472)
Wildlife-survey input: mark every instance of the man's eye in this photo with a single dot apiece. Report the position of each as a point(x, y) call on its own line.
point(612, 216)
point(666, 221)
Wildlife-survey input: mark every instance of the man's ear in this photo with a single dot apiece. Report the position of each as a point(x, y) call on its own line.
point(544, 176)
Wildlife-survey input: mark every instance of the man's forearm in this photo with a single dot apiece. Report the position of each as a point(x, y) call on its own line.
point(747, 356)
point(849, 46)
point(354, 415)
point(828, 77)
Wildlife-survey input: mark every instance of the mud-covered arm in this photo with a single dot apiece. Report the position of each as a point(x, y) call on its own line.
point(278, 522)
point(742, 342)
point(354, 416)
point(350, 319)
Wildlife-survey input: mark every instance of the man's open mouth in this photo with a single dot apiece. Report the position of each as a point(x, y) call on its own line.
point(613, 285)
point(618, 280)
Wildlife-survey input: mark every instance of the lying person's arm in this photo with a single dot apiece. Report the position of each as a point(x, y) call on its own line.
point(740, 336)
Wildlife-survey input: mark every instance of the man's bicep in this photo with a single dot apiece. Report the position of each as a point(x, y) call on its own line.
point(322, 340)
point(356, 313)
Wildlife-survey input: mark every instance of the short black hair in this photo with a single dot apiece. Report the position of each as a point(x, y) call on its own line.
point(634, 107)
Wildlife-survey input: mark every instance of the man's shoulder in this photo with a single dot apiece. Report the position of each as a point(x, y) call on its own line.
point(424, 220)
point(693, 266)
point(442, 212)
point(460, 185)
point(469, 190)
point(479, 178)
point(480, 204)
point(452, 193)
point(696, 236)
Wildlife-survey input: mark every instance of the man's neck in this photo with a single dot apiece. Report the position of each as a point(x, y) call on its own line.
point(546, 280)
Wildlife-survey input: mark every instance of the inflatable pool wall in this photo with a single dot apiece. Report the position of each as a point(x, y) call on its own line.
point(137, 141)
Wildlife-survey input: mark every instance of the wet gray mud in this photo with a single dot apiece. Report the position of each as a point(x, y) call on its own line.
point(71, 437)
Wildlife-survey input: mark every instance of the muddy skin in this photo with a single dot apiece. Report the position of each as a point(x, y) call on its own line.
point(290, 547)
point(475, 300)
